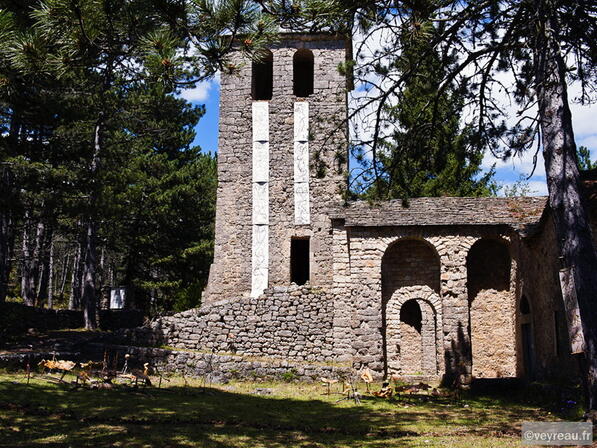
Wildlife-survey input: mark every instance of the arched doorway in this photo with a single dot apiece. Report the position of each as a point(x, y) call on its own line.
point(491, 309)
point(410, 304)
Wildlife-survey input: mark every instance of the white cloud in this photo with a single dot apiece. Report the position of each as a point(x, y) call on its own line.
point(531, 188)
point(200, 93)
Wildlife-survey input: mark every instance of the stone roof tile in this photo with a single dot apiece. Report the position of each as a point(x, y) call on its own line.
point(441, 211)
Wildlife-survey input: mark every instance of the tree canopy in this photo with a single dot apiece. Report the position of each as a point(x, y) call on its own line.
point(101, 182)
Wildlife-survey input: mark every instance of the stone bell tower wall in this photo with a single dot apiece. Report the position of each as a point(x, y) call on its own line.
point(281, 167)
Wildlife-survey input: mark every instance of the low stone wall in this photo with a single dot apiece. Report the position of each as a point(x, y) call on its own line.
point(286, 322)
point(218, 367)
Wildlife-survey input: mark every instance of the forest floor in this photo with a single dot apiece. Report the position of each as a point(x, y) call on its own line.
point(183, 413)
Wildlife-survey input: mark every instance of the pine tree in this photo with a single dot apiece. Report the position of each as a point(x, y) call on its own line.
point(428, 152)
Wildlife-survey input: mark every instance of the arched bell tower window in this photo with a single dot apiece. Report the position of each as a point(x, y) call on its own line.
point(262, 77)
point(303, 67)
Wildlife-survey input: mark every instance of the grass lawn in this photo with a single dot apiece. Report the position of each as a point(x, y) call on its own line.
point(231, 415)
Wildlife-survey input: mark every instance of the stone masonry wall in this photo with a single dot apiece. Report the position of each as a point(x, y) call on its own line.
point(540, 285)
point(230, 274)
point(493, 334)
point(360, 277)
point(491, 288)
point(286, 322)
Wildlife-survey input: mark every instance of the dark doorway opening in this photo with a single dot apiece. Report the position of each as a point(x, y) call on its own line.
point(299, 261)
point(262, 81)
point(528, 356)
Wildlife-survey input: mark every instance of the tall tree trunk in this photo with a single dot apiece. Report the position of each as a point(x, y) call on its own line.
point(35, 259)
point(51, 273)
point(27, 282)
point(89, 298)
point(101, 277)
point(64, 275)
point(75, 291)
point(42, 270)
point(563, 180)
point(30, 258)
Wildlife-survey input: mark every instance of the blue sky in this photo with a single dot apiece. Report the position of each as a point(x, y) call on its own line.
point(207, 93)
point(508, 172)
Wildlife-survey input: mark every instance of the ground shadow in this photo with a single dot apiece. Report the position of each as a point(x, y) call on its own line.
point(50, 415)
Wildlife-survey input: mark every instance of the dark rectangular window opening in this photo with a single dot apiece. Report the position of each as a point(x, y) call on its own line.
point(299, 261)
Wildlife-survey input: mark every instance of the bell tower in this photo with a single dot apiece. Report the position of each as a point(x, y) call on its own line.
point(281, 167)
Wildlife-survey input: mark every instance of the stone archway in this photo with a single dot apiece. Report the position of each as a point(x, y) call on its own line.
point(413, 331)
point(410, 271)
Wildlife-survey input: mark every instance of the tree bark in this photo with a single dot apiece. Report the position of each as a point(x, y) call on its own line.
point(64, 275)
point(34, 277)
point(51, 273)
point(75, 291)
point(563, 180)
point(30, 255)
point(43, 261)
point(89, 299)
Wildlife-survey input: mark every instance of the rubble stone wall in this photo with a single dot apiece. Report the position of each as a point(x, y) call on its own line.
point(286, 322)
point(345, 323)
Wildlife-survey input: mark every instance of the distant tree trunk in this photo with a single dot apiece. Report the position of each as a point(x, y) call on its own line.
point(75, 292)
point(43, 261)
point(563, 180)
point(101, 277)
point(35, 260)
point(89, 298)
point(30, 255)
point(65, 263)
point(51, 273)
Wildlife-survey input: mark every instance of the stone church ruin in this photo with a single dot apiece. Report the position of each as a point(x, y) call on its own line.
point(443, 288)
